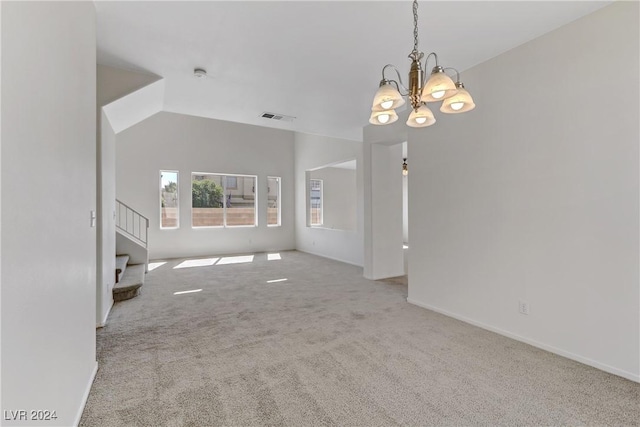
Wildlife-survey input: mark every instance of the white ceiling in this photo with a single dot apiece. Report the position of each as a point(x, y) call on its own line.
point(319, 61)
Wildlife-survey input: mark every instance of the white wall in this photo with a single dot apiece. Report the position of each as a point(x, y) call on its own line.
point(384, 256)
point(339, 199)
point(168, 141)
point(106, 187)
point(382, 147)
point(312, 152)
point(48, 246)
point(405, 199)
point(0, 205)
point(405, 216)
point(534, 195)
point(405, 209)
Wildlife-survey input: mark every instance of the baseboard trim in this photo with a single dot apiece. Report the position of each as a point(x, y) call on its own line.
point(595, 364)
point(104, 321)
point(85, 397)
point(329, 257)
point(397, 274)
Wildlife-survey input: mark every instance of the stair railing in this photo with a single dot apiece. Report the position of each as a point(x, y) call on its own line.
point(131, 223)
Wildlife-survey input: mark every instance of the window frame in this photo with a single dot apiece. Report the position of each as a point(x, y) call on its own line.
point(177, 199)
point(279, 201)
point(223, 181)
point(311, 223)
point(226, 184)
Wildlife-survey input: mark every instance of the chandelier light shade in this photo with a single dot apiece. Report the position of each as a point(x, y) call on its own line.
point(387, 97)
point(461, 102)
point(383, 117)
point(422, 117)
point(438, 87)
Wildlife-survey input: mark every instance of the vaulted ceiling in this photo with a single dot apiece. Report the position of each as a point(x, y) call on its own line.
point(319, 61)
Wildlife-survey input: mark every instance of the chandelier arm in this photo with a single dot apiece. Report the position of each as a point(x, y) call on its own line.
point(457, 73)
point(397, 87)
point(426, 63)
point(398, 74)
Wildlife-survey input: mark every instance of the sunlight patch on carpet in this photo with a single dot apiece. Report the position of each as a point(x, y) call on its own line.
point(203, 262)
point(187, 292)
point(154, 265)
point(235, 259)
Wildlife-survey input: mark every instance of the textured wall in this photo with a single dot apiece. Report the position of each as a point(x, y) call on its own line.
point(534, 195)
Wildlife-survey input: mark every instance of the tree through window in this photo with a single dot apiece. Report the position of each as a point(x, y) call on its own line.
point(223, 200)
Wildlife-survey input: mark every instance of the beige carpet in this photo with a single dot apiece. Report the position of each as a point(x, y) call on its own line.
point(325, 347)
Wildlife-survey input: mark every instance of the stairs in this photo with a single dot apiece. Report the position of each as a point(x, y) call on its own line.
point(129, 278)
point(131, 238)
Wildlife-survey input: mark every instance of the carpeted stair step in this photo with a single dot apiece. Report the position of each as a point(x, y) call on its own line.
point(129, 286)
point(121, 266)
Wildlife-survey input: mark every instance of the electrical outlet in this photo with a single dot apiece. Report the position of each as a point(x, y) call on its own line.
point(523, 307)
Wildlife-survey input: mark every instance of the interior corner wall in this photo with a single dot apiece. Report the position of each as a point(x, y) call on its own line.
point(534, 195)
point(48, 190)
point(169, 141)
point(312, 152)
point(106, 247)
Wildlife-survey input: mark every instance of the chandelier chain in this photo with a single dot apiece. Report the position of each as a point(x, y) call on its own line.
point(415, 26)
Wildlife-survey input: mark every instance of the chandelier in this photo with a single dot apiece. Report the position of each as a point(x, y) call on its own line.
point(439, 87)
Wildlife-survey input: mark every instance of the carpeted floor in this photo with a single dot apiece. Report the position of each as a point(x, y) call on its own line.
point(325, 347)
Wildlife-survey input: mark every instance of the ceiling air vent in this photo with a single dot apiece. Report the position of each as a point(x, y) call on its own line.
point(280, 117)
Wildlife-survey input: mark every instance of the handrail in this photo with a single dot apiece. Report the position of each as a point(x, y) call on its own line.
point(135, 225)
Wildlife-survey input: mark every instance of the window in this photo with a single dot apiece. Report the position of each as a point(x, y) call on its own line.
point(273, 201)
point(207, 200)
point(241, 201)
point(316, 201)
point(169, 199)
point(222, 200)
point(232, 182)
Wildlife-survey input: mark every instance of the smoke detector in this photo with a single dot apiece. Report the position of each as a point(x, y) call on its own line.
point(200, 73)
